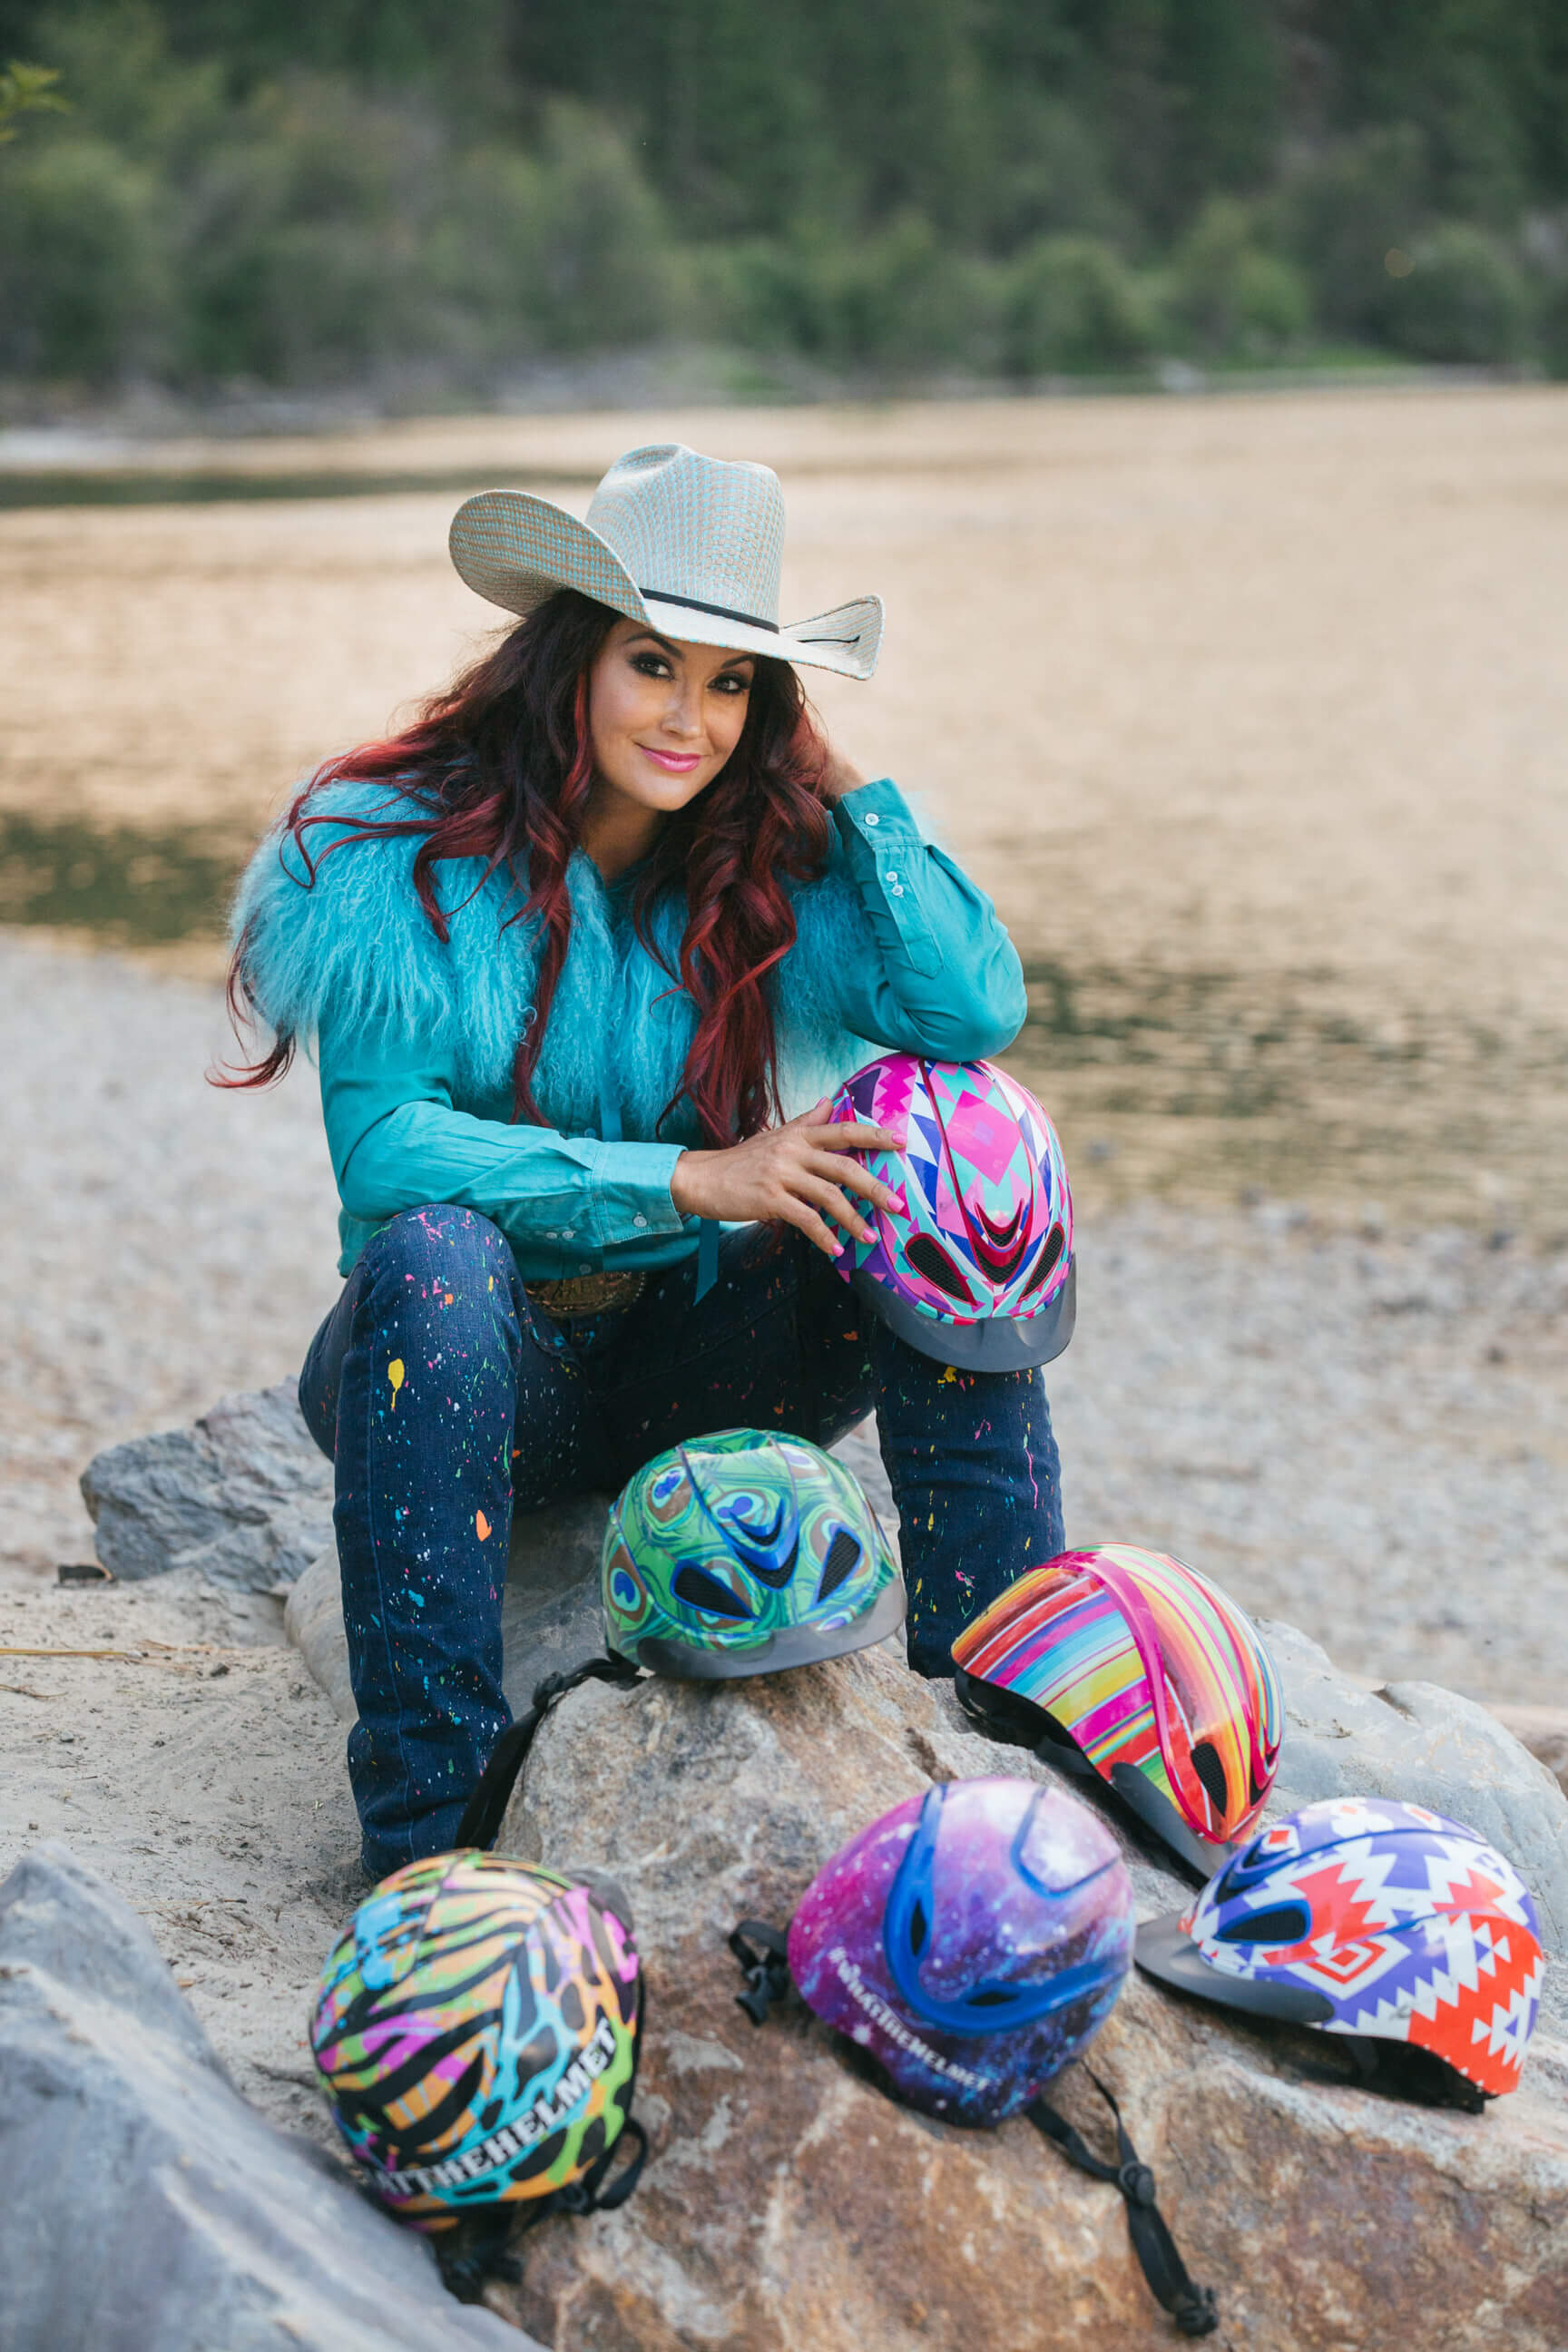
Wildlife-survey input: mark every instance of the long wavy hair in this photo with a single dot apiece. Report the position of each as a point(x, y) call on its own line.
point(499, 766)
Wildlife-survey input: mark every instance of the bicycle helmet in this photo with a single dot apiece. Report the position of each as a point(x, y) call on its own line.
point(973, 1941)
point(743, 1553)
point(476, 2034)
point(1375, 1919)
point(973, 1263)
point(1135, 1667)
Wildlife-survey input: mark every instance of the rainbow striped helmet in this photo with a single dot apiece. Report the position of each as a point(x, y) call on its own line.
point(973, 1263)
point(476, 2032)
point(741, 1553)
point(1135, 1667)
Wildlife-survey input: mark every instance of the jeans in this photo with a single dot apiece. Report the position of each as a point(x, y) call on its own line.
point(445, 1397)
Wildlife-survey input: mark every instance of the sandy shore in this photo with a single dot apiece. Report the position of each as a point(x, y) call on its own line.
point(1364, 1434)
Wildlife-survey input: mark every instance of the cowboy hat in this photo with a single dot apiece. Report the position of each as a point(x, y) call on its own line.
point(689, 545)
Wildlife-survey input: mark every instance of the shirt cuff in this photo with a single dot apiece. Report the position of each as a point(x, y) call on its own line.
point(874, 813)
point(631, 1191)
point(885, 854)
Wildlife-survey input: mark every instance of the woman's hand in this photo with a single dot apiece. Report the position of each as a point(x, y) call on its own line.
point(793, 1175)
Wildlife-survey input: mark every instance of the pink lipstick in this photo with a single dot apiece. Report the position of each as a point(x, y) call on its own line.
point(674, 764)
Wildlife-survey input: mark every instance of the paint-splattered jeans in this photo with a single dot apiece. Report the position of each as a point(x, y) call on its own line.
point(445, 1397)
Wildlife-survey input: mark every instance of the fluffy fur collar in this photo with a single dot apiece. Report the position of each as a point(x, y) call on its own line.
point(357, 946)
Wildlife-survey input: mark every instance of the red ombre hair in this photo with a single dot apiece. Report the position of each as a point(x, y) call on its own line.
point(499, 766)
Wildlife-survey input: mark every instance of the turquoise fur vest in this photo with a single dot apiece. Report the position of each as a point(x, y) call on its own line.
point(357, 946)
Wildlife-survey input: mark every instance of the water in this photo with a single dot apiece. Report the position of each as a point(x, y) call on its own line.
point(41, 487)
point(1203, 1085)
point(127, 888)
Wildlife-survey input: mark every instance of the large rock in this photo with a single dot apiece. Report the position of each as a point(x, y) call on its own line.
point(147, 2209)
point(550, 1610)
point(1427, 1746)
point(244, 1498)
point(788, 2203)
point(1544, 1731)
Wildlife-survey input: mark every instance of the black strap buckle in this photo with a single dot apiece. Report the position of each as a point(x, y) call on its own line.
point(1136, 2183)
point(763, 1955)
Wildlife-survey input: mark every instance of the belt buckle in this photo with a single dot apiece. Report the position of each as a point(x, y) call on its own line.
point(587, 1293)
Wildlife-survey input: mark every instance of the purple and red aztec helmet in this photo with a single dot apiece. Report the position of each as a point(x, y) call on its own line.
point(972, 1942)
point(1372, 1918)
point(974, 1264)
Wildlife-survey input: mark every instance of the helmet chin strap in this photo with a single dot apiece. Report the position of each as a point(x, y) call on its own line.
point(485, 1809)
point(1192, 2307)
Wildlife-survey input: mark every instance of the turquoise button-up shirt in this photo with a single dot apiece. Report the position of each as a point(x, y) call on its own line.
point(939, 977)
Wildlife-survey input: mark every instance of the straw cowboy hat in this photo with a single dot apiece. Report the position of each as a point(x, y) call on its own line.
point(690, 545)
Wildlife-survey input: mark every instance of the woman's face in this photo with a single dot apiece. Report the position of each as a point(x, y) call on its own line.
point(663, 715)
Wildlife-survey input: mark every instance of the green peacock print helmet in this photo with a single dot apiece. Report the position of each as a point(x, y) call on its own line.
point(743, 1553)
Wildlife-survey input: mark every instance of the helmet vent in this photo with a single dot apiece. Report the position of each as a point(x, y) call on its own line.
point(1211, 1773)
point(1284, 1923)
point(1050, 1257)
point(929, 1259)
point(843, 1559)
point(920, 1926)
point(704, 1591)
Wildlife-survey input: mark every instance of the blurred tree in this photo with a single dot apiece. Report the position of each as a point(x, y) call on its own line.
point(1073, 307)
point(298, 190)
point(1462, 299)
point(85, 287)
point(1230, 298)
point(1345, 213)
point(27, 90)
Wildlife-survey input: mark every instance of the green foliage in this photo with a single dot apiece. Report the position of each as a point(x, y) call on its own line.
point(1073, 307)
point(84, 281)
point(891, 300)
point(1463, 298)
point(27, 90)
point(247, 188)
point(1340, 213)
point(1227, 297)
point(1551, 295)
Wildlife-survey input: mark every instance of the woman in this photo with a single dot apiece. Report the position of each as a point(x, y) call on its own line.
point(565, 949)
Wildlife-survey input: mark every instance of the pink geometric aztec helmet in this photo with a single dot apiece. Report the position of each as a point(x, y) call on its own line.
point(974, 1264)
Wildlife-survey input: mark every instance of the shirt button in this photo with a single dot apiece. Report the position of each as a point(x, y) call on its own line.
point(551, 1235)
point(898, 889)
point(639, 1222)
point(568, 1233)
point(872, 818)
point(584, 1269)
point(892, 874)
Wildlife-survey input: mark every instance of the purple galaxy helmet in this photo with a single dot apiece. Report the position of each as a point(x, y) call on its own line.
point(973, 1263)
point(972, 1942)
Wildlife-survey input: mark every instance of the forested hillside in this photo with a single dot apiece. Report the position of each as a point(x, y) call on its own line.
point(442, 191)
